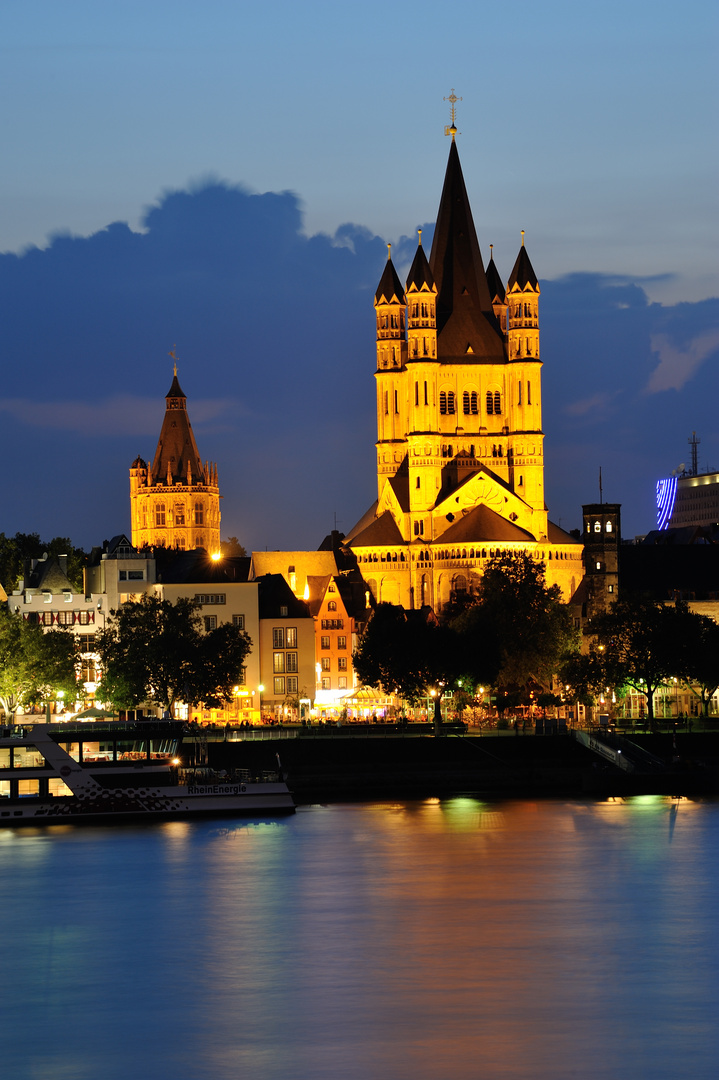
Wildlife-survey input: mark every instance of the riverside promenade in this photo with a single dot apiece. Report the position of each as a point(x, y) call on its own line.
point(353, 762)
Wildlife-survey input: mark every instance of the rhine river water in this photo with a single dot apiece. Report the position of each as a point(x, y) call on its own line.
point(450, 940)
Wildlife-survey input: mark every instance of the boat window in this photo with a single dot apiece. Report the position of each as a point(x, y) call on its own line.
point(71, 748)
point(56, 786)
point(28, 787)
point(27, 757)
point(5, 757)
point(4, 789)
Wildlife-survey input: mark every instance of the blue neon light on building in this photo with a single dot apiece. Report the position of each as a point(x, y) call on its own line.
point(666, 497)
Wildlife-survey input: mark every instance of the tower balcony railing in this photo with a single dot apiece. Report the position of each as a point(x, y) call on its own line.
point(523, 322)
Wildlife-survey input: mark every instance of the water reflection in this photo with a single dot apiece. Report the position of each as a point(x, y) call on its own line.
point(434, 939)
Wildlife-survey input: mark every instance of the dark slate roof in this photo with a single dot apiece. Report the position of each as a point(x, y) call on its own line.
point(494, 281)
point(139, 463)
point(465, 319)
point(400, 485)
point(390, 287)
point(383, 532)
point(275, 594)
point(367, 518)
point(522, 272)
point(48, 575)
point(197, 568)
point(419, 272)
point(555, 535)
point(176, 445)
point(482, 525)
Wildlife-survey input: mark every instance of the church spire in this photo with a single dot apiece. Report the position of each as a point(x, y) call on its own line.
point(466, 323)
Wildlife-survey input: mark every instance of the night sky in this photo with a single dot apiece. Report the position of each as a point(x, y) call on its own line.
point(136, 138)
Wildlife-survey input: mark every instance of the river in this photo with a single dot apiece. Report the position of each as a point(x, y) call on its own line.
point(431, 940)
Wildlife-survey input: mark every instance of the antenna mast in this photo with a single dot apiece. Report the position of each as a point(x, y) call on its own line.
point(694, 443)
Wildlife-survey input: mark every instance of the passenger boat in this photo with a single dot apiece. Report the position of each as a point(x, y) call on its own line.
point(113, 770)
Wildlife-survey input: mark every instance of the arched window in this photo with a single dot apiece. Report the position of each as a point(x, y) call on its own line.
point(451, 403)
point(443, 402)
point(497, 403)
point(465, 402)
point(609, 526)
point(490, 403)
point(332, 604)
point(473, 403)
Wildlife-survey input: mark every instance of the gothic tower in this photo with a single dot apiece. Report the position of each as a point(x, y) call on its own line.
point(176, 501)
point(460, 466)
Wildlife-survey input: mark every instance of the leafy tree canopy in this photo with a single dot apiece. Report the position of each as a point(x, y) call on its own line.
point(517, 631)
point(154, 650)
point(231, 547)
point(406, 653)
point(14, 550)
point(34, 665)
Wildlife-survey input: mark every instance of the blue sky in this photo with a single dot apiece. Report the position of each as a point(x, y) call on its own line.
point(591, 127)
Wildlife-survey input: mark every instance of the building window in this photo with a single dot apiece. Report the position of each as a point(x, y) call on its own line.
point(64, 618)
point(416, 393)
point(179, 514)
point(160, 515)
point(529, 393)
point(597, 526)
point(292, 684)
point(86, 642)
point(426, 398)
point(342, 663)
point(443, 403)
point(610, 588)
point(278, 637)
point(238, 621)
point(386, 402)
point(283, 611)
point(292, 661)
point(325, 663)
point(419, 528)
point(326, 684)
point(497, 403)
point(332, 605)
point(291, 637)
point(135, 575)
point(609, 526)
point(279, 686)
point(342, 682)
point(210, 598)
point(210, 622)
point(123, 575)
point(325, 641)
point(451, 403)
point(490, 403)
point(278, 662)
point(519, 393)
point(342, 642)
point(599, 566)
point(199, 514)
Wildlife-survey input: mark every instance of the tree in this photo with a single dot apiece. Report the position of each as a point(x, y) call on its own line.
point(34, 665)
point(14, 550)
point(407, 653)
point(698, 664)
point(516, 633)
point(231, 547)
point(638, 644)
point(154, 650)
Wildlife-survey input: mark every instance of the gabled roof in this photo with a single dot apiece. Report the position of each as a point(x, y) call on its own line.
point(400, 486)
point(482, 524)
point(48, 575)
point(523, 275)
point(197, 568)
point(383, 532)
point(389, 288)
point(367, 518)
point(176, 445)
point(466, 323)
point(275, 594)
point(419, 272)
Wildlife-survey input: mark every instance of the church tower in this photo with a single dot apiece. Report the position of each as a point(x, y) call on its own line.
point(175, 503)
point(460, 466)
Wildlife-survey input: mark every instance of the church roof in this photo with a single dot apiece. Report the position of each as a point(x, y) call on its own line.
point(494, 281)
point(482, 524)
point(523, 274)
point(176, 445)
point(390, 287)
point(467, 330)
point(555, 535)
point(383, 532)
point(400, 485)
point(419, 272)
point(367, 518)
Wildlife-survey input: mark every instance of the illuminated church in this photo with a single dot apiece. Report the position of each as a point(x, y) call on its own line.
point(460, 466)
point(175, 502)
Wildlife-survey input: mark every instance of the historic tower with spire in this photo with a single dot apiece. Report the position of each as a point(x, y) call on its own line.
point(175, 503)
point(460, 467)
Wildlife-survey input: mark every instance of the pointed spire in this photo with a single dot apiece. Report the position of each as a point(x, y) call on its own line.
point(523, 275)
point(494, 281)
point(390, 288)
point(420, 273)
point(464, 305)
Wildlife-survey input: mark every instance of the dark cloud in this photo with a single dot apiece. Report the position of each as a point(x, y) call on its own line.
point(275, 340)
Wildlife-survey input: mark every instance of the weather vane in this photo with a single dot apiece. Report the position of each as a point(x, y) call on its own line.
point(174, 357)
point(452, 99)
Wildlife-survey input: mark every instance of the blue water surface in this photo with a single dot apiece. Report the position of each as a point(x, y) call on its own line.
point(449, 940)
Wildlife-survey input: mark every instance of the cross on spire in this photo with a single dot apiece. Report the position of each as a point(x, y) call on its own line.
point(452, 99)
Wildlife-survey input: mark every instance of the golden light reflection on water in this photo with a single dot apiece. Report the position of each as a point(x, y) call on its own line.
point(392, 941)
